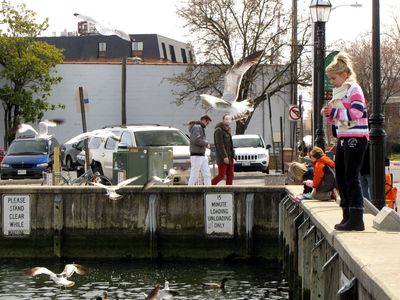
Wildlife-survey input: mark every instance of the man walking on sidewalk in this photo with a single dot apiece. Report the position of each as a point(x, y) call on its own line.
point(198, 146)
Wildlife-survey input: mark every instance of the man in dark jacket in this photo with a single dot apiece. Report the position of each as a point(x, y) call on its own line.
point(224, 151)
point(198, 145)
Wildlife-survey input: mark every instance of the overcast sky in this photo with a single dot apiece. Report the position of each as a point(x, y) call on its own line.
point(159, 16)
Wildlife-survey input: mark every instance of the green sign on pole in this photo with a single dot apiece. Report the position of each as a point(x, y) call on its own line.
point(328, 59)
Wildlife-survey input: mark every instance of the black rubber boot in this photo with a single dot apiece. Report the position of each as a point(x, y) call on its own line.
point(355, 222)
point(346, 215)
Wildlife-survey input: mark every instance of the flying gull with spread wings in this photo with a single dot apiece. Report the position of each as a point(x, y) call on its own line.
point(155, 179)
point(43, 130)
point(232, 80)
point(112, 190)
point(61, 278)
point(103, 28)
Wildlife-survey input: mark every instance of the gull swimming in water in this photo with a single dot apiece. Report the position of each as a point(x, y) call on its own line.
point(155, 179)
point(111, 190)
point(103, 28)
point(43, 130)
point(233, 77)
point(216, 285)
point(100, 133)
point(61, 278)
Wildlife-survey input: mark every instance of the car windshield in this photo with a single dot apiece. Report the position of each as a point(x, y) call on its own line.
point(161, 138)
point(27, 147)
point(247, 142)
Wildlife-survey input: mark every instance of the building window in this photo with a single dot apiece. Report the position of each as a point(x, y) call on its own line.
point(137, 49)
point(172, 52)
point(191, 57)
point(137, 46)
point(164, 50)
point(184, 58)
point(102, 49)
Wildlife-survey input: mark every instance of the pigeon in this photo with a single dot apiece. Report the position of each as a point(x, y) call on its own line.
point(216, 285)
point(101, 133)
point(103, 28)
point(61, 278)
point(154, 179)
point(239, 111)
point(111, 190)
point(43, 131)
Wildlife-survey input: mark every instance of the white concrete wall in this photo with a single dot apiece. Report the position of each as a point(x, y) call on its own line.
point(149, 100)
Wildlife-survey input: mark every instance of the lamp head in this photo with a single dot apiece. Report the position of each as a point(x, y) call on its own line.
point(320, 10)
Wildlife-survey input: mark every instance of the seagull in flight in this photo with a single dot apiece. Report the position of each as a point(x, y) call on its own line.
point(61, 278)
point(101, 133)
point(43, 130)
point(155, 179)
point(111, 190)
point(103, 28)
point(232, 80)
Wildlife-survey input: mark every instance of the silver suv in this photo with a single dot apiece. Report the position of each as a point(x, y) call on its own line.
point(101, 152)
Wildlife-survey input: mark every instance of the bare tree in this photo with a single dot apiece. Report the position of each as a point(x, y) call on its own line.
point(225, 31)
point(361, 52)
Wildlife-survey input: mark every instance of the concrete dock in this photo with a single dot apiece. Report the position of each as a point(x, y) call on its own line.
point(370, 256)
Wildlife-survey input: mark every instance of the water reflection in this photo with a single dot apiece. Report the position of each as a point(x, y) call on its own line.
point(130, 279)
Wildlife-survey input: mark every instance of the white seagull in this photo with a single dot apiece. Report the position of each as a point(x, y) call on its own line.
point(103, 28)
point(111, 190)
point(233, 77)
point(101, 133)
point(43, 130)
point(61, 278)
point(154, 179)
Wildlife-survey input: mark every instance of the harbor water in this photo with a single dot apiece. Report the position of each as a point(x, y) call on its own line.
point(132, 278)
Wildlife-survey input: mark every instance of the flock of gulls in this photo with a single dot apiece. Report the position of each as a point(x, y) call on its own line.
point(228, 103)
point(157, 293)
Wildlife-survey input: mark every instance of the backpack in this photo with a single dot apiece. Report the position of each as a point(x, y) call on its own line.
point(328, 182)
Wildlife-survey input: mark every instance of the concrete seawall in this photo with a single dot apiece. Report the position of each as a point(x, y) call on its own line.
point(165, 222)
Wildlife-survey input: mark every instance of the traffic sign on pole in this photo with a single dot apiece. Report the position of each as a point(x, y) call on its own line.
point(294, 113)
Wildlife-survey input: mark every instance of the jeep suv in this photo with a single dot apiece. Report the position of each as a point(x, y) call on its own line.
point(251, 153)
point(101, 152)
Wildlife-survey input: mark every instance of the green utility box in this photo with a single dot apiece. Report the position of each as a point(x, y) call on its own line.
point(145, 161)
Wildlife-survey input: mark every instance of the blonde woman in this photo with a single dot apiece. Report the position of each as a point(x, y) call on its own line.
point(352, 141)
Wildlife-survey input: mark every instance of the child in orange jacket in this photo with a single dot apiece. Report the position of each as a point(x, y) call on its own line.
point(323, 182)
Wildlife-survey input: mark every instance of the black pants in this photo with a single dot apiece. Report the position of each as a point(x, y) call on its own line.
point(348, 161)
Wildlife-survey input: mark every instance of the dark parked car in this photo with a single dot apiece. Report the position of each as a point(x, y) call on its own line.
point(28, 158)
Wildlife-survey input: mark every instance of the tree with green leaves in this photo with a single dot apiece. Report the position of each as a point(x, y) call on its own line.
point(225, 31)
point(27, 72)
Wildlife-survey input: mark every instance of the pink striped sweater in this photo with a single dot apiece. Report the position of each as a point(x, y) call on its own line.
point(355, 109)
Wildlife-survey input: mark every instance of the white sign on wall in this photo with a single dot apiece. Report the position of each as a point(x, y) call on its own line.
point(16, 215)
point(219, 214)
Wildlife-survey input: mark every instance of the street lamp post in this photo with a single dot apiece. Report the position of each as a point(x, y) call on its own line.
point(377, 133)
point(320, 10)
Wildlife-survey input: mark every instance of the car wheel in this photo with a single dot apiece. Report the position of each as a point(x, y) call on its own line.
point(69, 163)
point(100, 178)
point(266, 171)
